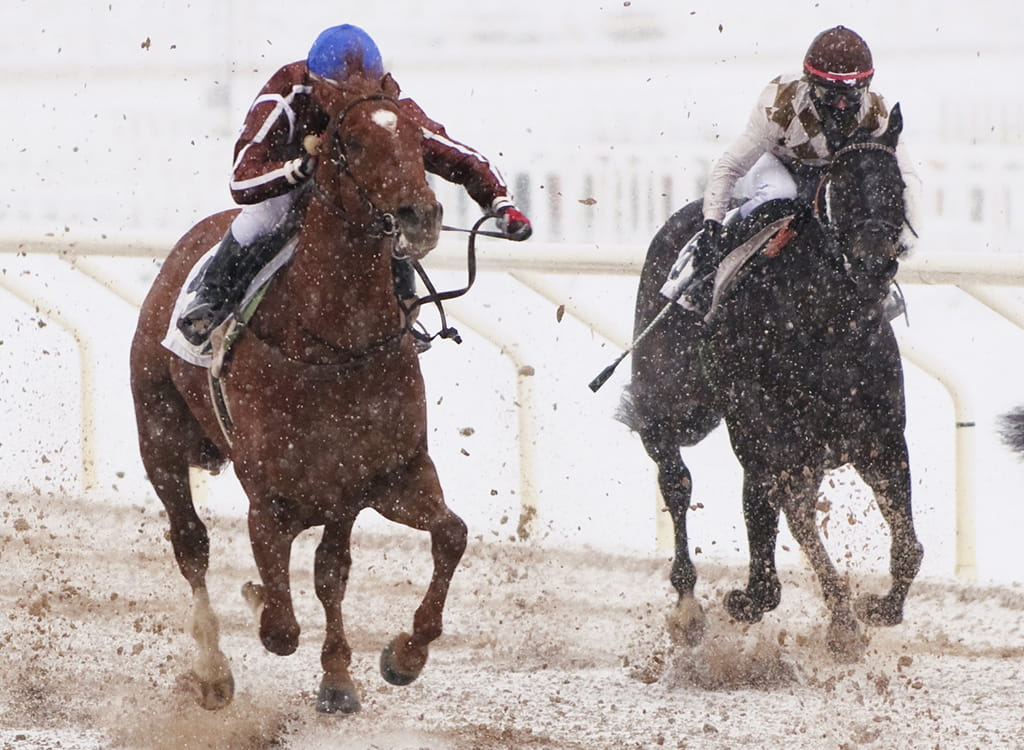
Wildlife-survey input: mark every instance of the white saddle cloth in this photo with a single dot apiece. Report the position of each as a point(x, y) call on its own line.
point(203, 355)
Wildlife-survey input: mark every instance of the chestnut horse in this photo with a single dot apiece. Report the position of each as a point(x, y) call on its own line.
point(801, 362)
point(325, 396)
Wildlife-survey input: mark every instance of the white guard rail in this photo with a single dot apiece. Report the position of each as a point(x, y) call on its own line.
point(530, 263)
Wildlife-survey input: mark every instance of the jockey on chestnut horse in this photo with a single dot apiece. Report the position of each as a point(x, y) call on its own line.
point(321, 405)
point(273, 162)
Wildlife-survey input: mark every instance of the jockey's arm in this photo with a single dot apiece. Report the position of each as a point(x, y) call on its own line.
point(456, 162)
point(269, 158)
point(735, 162)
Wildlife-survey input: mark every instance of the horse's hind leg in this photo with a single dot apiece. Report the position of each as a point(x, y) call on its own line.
point(415, 499)
point(166, 434)
point(886, 472)
point(333, 561)
point(688, 623)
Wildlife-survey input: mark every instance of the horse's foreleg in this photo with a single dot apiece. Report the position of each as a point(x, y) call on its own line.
point(416, 500)
point(887, 473)
point(338, 692)
point(687, 623)
point(761, 516)
point(844, 638)
point(272, 529)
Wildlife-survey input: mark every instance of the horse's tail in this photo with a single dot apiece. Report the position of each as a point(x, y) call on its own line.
point(688, 424)
point(626, 411)
point(1011, 429)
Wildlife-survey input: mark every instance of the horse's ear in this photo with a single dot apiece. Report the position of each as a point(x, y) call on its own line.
point(328, 96)
point(895, 127)
point(390, 86)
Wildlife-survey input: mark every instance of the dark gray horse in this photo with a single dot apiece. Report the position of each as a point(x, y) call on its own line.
point(801, 362)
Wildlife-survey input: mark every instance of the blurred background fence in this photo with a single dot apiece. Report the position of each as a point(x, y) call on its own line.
point(604, 119)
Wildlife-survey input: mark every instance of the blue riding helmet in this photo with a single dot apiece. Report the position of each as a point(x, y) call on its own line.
point(341, 51)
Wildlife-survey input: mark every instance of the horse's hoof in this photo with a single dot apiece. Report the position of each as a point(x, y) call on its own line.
point(278, 638)
point(687, 623)
point(845, 640)
point(399, 665)
point(337, 699)
point(282, 644)
point(878, 611)
point(740, 606)
point(213, 695)
point(254, 596)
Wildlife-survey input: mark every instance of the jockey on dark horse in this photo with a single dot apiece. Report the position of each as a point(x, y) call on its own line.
point(793, 132)
point(272, 161)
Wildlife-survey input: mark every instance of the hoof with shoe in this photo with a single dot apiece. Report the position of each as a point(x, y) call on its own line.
point(212, 695)
point(399, 664)
point(253, 595)
point(337, 699)
point(845, 640)
point(687, 623)
point(878, 611)
point(740, 606)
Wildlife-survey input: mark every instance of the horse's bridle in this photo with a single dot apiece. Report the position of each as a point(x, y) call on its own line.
point(820, 210)
point(821, 213)
point(384, 222)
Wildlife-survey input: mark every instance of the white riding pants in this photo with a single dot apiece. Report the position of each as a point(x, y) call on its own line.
point(767, 180)
point(257, 220)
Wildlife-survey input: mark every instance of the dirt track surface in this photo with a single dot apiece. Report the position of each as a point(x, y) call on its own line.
point(542, 649)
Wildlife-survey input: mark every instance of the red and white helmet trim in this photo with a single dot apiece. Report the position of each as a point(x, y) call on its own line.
point(846, 79)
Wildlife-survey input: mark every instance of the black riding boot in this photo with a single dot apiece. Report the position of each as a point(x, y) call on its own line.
point(218, 289)
point(700, 291)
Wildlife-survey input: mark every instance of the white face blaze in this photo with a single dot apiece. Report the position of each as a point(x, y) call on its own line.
point(386, 119)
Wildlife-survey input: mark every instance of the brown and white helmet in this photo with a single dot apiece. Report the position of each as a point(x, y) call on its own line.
point(839, 57)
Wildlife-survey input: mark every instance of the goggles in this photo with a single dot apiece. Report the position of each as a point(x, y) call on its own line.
point(838, 97)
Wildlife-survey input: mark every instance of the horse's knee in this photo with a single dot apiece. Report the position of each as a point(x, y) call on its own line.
point(451, 534)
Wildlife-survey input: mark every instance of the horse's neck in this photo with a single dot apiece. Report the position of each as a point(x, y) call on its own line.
point(808, 295)
point(337, 292)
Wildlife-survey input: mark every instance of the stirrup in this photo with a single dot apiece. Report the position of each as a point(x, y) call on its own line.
point(200, 319)
point(698, 297)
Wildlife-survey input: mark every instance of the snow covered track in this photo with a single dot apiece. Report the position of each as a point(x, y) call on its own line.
point(543, 649)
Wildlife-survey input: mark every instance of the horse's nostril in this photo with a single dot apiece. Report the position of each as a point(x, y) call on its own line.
point(419, 214)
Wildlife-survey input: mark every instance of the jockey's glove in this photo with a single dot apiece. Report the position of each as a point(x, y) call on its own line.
point(709, 247)
point(300, 169)
point(513, 223)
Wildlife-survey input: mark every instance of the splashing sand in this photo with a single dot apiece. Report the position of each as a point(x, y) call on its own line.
point(542, 649)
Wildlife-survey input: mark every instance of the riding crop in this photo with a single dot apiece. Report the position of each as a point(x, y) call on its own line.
point(607, 372)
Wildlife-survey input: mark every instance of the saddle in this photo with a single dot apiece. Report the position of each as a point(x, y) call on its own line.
point(770, 239)
point(212, 353)
point(768, 228)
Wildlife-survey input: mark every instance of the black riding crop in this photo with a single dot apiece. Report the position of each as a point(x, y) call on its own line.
point(606, 373)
